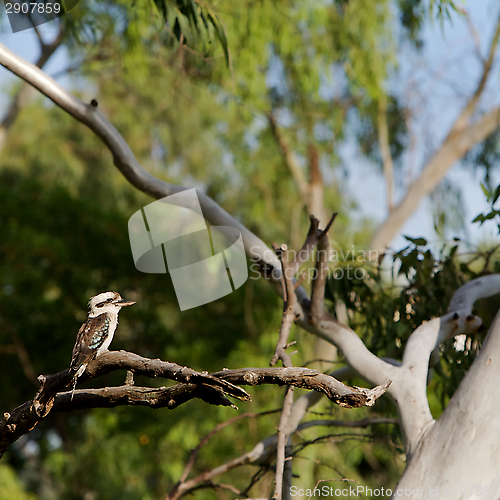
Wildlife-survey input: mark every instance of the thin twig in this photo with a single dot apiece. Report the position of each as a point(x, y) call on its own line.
point(288, 316)
point(280, 447)
point(206, 438)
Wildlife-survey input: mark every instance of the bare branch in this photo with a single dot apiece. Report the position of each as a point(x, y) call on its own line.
point(262, 453)
point(200, 385)
point(452, 149)
point(305, 378)
point(385, 151)
point(460, 139)
point(365, 422)
point(206, 477)
point(480, 288)
point(25, 417)
point(123, 156)
point(473, 407)
point(209, 388)
point(281, 444)
point(123, 360)
point(204, 441)
point(410, 386)
point(487, 65)
point(433, 333)
point(316, 203)
point(311, 193)
point(475, 35)
point(308, 248)
point(313, 318)
point(284, 471)
point(462, 321)
point(288, 310)
point(290, 161)
point(319, 282)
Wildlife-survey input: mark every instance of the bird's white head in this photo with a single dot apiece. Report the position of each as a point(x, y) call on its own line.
point(107, 302)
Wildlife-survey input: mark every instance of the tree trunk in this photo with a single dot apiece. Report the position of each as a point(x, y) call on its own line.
point(459, 457)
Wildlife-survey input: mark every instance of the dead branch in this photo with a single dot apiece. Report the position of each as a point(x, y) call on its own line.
point(210, 388)
point(289, 300)
point(305, 378)
point(51, 396)
point(365, 422)
point(283, 473)
point(280, 476)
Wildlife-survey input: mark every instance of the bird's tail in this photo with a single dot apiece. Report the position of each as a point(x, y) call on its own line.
point(75, 379)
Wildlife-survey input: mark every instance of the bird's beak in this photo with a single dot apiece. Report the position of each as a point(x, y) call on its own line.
point(124, 302)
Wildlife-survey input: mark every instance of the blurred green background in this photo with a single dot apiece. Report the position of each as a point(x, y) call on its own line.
point(197, 115)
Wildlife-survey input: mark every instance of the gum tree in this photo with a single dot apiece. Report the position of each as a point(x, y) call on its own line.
point(441, 453)
point(432, 446)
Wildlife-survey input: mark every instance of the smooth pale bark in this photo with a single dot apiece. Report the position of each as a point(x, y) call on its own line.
point(452, 151)
point(462, 448)
point(462, 136)
point(385, 151)
point(123, 157)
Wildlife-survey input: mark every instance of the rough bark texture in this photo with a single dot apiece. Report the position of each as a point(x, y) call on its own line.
point(210, 388)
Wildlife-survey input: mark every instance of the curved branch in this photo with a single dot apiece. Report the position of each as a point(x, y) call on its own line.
point(21, 96)
point(313, 318)
point(200, 385)
point(452, 149)
point(210, 388)
point(480, 288)
point(411, 389)
point(123, 157)
point(123, 360)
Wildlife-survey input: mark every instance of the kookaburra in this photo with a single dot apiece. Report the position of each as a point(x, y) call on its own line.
point(97, 332)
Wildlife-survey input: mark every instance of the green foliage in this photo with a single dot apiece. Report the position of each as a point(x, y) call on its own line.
point(414, 13)
point(492, 196)
point(11, 487)
point(421, 283)
point(160, 73)
point(444, 8)
point(195, 22)
point(485, 157)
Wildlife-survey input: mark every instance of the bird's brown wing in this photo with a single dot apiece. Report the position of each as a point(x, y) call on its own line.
point(91, 336)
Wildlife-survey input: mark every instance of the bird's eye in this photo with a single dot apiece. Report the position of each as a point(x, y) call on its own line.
point(102, 304)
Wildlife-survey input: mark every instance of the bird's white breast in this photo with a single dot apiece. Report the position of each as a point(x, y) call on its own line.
point(112, 327)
